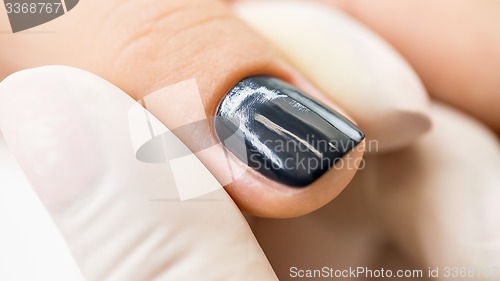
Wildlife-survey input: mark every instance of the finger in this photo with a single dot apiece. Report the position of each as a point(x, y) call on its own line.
point(355, 67)
point(453, 46)
point(440, 198)
point(181, 58)
point(122, 218)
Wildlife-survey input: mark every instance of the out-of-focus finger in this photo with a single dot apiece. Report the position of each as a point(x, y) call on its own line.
point(452, 44)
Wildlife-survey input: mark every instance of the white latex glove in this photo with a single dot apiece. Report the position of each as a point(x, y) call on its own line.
point(122, 218)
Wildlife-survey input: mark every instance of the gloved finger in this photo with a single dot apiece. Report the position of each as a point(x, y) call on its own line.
point(73, 134)
point(440, 198)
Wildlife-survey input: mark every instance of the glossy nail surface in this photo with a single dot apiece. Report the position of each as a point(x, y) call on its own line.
point(278, 131)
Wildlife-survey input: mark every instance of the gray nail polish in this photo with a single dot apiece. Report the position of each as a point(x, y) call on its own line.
point(278, 131)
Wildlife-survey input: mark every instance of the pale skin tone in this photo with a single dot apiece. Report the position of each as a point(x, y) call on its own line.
point(172, 41)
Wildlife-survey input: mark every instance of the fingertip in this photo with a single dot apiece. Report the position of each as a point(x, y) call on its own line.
point(297, 153)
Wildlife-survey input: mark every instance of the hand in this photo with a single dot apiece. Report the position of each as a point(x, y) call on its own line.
point(407, 112)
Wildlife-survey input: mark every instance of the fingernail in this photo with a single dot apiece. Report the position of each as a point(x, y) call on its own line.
point(286, 136)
